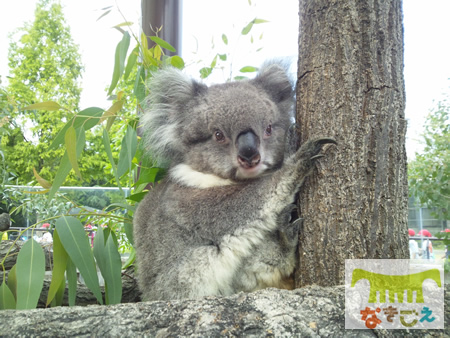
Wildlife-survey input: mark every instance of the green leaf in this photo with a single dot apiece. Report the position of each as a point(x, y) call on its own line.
point(87, 118)
point(177, 62)
point(248, 69)
point(162, 43)
point(12, 281)
point(59, 267)
point(247, 28)
point(30, 273)
point(131, 62)
point(59, 296)
point(137, 197)
point(7, 300)
point(258, 21)
point(205, 72)
point(223, 57)
point(71, 273)
point(75, 242)
point(130, 259)
point(224, 39)
point(107, 145)
point(139, 84)
point(113, 268)
point(47, 105)
point(128, 227)
point(65, 166)
point(119, 61)
point(214, 62)
point(129, 146)
point(71, 142)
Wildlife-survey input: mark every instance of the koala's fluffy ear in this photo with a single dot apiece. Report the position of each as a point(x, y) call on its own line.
point(274, 80)
point(170, 92)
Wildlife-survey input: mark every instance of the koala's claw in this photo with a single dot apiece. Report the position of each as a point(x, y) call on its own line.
point(326, 140)
point(317, 156)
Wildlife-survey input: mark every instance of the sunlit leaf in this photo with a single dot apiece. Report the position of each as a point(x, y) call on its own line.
point(7, 300)
point(205, 72)
point(223, 57)
point(257, 21)
point(47, 105)
point(224, 39)
point(30, 271)
point(126, 23)
point(177, 62)
point(71, 147)
point(162, 43)
point(87, 118)
point(75, 242)
point(248, 69)
point(112, 110)
point(43, 183)
point(65, 166)
point(247, 28)
point(59, 267)
point(214, 62)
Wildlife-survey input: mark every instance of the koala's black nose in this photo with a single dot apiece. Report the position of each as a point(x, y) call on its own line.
point(247, 145)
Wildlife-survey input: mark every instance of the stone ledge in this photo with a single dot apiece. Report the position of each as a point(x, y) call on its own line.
point(311, 311)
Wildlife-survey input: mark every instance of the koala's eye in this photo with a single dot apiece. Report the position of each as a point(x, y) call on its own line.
point(220, 137)
point(268, 130)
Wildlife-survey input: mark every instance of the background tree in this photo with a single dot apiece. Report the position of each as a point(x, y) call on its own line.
point(351, 87)
point(429, 172)
point(45, 65)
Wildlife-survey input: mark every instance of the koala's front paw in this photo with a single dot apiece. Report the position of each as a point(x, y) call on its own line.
point(288, 232)
point(311, 149)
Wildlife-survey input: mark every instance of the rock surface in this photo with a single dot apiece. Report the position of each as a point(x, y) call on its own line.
point(308, 312)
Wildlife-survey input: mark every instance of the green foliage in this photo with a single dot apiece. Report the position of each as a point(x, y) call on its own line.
point(90, 142)
point(429, 173)
point(45, 65)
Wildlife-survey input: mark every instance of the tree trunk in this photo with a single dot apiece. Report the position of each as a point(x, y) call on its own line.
point(350, 87)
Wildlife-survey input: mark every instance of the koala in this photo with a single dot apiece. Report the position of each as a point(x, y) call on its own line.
point(219, 222)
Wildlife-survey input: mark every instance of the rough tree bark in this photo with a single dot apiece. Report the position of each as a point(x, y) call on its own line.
point(351, 87)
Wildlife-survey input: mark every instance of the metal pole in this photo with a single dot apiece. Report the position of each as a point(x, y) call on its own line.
point(166, 14)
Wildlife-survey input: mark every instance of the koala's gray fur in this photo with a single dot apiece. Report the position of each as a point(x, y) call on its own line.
point(219, 222)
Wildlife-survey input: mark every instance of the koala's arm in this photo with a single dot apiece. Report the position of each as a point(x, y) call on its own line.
point(192, 242)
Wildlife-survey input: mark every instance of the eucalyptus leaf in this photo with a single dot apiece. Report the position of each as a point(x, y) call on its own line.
point(71, 142)
point(162, 43)
point(75, 242)
point(71, 274)
point(127, 151)
point(47, 105)
point(30, 271)
point(59, 267)
point(119, 61)
point(7, 300)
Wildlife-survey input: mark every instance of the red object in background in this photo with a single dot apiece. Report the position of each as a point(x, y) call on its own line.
point(425, 233)
point(446, 230)
point(411, 232)
point(46, 225)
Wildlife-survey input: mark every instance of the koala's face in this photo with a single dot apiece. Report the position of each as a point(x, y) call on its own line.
point(234, 131)
point(238, 132)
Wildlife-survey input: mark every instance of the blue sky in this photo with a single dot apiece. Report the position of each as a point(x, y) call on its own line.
point(426, 27)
